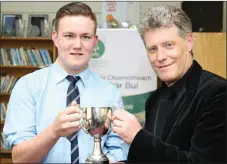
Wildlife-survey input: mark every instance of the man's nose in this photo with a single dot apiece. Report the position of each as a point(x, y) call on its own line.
point(161, 55)
point(77, 43)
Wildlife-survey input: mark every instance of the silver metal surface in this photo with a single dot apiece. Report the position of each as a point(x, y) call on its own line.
point(96, 123)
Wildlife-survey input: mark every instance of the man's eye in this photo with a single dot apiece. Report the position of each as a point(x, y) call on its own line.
point(152, 49)
point(86, 37)
point(169, 46)
point(68, 36)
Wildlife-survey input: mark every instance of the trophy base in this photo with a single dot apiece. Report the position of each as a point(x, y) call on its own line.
point(100, 159)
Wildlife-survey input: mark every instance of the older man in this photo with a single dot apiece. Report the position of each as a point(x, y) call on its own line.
point(186, 117)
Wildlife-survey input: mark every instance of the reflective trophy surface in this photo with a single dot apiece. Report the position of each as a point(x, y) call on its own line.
point(96, 123)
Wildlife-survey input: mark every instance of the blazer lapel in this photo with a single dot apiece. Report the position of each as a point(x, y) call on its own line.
point(178, 106)
point(164, 106)
point(182, 96)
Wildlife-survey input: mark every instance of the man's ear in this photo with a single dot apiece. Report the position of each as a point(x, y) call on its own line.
point(190, 41)
point(54, 38)
point(96, 40)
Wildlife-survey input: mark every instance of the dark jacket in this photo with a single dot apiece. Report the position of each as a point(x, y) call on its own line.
point(185, 123)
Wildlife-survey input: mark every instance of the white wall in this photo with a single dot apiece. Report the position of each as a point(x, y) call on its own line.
point(27, 8)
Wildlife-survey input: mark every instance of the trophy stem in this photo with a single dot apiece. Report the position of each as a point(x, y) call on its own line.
point(97, 155)
point(97, 145)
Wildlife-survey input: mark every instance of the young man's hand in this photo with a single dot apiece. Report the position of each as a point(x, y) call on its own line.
point(67, 122)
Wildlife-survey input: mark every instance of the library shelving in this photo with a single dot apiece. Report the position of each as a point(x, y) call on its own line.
point(18, 57)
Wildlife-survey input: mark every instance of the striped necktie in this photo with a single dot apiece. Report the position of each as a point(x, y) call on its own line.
point(73, 94)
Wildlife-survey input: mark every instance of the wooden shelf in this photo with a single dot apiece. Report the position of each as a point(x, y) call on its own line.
point(5, 151)
point(18, 71)
point(4, 97)
point(1, 127)
point(4, 94)
point(25, 39)
point(20, 67)
point(6, 160)
point(5, 156)
point(30, 43)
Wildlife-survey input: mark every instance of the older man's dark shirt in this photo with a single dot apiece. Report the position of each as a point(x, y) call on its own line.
point(185, 123)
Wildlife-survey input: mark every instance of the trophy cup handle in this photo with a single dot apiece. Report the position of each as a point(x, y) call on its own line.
point(116, 108)
point(82, 121)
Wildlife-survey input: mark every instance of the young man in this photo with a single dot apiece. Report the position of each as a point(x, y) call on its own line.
point(42, 119)
point(186, 117)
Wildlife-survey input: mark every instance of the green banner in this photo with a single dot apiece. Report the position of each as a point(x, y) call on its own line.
point(136, 105)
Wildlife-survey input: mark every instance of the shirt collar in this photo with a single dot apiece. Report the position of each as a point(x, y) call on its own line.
point(190, 78)
point(61, 74)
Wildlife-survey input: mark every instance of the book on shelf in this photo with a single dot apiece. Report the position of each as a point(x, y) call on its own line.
point(25, 57)
point(7, 83)
point(3, 108)
point(3, 141)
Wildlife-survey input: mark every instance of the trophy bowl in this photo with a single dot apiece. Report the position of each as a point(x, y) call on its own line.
point(96, 122)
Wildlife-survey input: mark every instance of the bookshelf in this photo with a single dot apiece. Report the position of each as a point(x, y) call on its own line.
point(18, 71)
point(27, 43)
point(2, 123)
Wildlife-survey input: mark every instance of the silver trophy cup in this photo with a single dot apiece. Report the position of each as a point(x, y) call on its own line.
point(96, 122)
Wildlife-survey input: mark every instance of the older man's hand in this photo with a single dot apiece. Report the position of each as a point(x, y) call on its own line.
point(126, 125)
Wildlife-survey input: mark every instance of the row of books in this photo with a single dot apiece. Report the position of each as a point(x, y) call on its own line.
point(3, 108)
point(3, 141)
point(25, 57)
point(7, 83)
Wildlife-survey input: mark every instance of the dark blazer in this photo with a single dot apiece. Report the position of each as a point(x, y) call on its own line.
point(185, 123)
